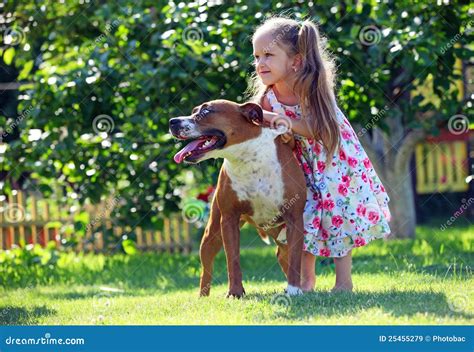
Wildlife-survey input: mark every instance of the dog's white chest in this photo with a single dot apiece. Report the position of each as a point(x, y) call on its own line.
point(257, 177)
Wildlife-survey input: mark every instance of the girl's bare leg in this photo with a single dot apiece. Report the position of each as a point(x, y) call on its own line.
point(308, 271)
point(343, 273)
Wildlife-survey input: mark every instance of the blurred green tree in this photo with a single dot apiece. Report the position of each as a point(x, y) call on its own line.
point(99, 81)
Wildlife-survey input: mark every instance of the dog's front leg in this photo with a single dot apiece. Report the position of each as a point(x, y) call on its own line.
point(211, 244)
point(231, 238)
point(295, 239)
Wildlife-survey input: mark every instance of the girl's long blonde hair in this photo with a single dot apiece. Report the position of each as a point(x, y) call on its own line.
point(314, 84)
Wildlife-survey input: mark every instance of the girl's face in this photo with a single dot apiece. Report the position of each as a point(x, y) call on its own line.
point(271, 62)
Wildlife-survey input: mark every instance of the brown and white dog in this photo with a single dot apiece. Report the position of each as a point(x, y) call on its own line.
point(260, 182)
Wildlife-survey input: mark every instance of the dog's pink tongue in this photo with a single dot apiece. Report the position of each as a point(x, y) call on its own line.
point(189, 147)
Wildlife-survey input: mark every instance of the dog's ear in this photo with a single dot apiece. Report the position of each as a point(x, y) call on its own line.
point(196, 109)
point(253, 113)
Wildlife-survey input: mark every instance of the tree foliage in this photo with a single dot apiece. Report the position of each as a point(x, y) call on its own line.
point(100, 81)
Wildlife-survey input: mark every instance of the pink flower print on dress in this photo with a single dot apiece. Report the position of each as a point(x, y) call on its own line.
point(306, 168)
point(364, 177)
point(342, 154)
point(321, 166)
point(317, 223)
point(346, 134)
point(337, 220)
point(325, 252)
point(373, 217)
point(361, 210)
point(359, 242)
point(328, 204)
point(342, 189)
point(324, 235)
point(291, 114)
point(346, 180)
point(352, 161)
point(317, 148)
point(367, 163)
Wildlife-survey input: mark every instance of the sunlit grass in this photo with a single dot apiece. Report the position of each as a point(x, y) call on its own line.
point(423, 281)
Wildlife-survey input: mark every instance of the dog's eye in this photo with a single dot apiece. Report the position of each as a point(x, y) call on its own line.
point(204, 111)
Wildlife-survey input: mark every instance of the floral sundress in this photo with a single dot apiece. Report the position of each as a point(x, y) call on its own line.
point(346, 204)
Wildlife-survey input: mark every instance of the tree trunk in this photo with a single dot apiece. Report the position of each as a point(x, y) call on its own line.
point(402, 203)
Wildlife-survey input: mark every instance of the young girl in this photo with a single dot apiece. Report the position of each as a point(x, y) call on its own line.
point(347, 205)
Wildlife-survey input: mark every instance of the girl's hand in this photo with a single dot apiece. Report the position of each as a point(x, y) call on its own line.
point(274, 120)
point(268, 117)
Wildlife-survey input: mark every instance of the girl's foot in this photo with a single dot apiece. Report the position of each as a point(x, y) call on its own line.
point(342, 288)
point(307, 288)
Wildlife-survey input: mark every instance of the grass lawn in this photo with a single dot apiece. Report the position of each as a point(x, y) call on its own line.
point(425, 281)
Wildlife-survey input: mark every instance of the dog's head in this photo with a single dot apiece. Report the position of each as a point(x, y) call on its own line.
point(213, 126)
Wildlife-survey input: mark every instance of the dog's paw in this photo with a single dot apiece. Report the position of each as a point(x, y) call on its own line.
point(293, 291)
point(240, 293)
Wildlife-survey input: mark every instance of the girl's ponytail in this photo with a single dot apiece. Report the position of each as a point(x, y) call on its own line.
point(315, 87)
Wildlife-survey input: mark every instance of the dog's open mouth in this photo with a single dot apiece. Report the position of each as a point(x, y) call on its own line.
point(198, 147)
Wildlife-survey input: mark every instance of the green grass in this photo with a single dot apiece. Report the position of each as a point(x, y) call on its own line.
point(423, 281)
